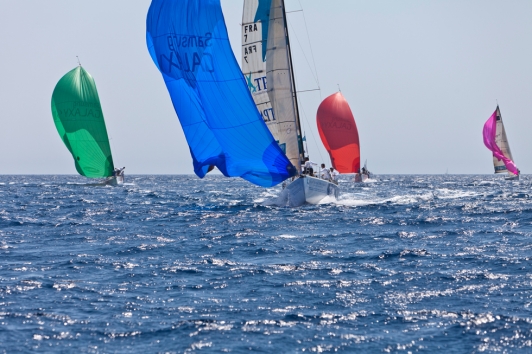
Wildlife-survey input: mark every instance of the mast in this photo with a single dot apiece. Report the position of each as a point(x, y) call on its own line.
point(294, 91)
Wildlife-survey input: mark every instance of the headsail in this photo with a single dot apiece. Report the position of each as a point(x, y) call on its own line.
point(267, 65)
point(188, 42)
point(339, 133)
point(79, 121)
point(495, 140)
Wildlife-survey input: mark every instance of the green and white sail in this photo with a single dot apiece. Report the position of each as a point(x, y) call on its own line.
point(267, 66)
point(79, 121)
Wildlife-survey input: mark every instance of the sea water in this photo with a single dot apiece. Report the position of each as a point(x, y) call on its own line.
point(179, 264)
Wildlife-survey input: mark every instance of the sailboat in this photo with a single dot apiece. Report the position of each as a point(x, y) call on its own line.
point(364, 174)
point(189, 44)
point(79, 120)
point(267, 66)
point(339, 135)
point(496, 141)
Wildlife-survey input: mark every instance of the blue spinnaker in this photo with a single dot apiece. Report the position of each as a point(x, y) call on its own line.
point(188, 41)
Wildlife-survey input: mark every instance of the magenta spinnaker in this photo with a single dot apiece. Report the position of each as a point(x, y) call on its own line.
point(489, 131)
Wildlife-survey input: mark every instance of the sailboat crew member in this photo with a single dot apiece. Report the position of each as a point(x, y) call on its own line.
point(118, 171)
point(307, 167)
point(334, 175)
point(324, 173)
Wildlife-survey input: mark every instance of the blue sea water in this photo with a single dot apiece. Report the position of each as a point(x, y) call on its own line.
point(178, 264)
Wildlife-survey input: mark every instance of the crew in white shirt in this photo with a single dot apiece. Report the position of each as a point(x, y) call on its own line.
point(324, 173)
point(307, 167)
point(334, 175)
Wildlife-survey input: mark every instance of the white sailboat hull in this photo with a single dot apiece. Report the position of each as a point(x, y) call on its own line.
point(309, 190)
point(512, 177)
point(359, 178)
point(115, 180)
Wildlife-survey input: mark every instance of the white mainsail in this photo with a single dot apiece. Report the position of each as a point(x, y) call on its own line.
point(267, 66)
point(502, 142)
point(255, 23)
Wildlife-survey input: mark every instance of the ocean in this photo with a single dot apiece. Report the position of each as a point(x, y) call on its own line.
point(409, 263)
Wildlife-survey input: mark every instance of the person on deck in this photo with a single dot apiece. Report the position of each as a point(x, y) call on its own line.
point(118, 171)
point(324, 173)
point(334, 175)
point(307, 167)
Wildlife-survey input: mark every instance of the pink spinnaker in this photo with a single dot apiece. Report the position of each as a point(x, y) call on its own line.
point(489, 132)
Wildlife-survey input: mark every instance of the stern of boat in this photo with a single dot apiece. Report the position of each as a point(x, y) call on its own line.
point(115, 180)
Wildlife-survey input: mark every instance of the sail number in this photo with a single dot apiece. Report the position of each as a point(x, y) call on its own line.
point(250, 28)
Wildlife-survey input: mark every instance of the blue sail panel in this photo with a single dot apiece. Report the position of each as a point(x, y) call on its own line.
point(188, 41)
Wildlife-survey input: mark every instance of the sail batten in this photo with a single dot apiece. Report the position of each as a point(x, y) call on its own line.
point(79, 120)
point(189, 44)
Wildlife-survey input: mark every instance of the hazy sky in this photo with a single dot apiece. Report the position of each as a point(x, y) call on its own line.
point(421, 77)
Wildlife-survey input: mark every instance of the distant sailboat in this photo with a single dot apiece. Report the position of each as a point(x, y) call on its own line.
point(189, 44)
point(79, 121)
point(496, 141)
point(267, 66)
point(365, 173)
point(339, 135)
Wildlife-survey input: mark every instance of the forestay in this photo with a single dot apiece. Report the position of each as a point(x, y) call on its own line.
point(339, 133)
point(267, 65)
point(495, 140)
point(79, 121)
point(188, 42)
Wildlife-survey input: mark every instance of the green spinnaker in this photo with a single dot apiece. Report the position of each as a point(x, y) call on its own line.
point(79, 121)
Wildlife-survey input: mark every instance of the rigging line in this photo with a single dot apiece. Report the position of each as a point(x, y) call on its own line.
point(297, 98)
point(308, 90)
point(311, 133)
point(306, 59)
point(310, 45)
point(289, 12)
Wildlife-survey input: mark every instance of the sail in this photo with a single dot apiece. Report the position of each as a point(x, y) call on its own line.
point(79, 121)
point(267, 64)
point(495, 140)
point(188, 42)
point(255, 24)
point(339, 133)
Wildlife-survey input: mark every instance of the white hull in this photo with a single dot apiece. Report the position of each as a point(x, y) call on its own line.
point(512, 177)
point(115, 180)
point(307, 189)
point(359, 178)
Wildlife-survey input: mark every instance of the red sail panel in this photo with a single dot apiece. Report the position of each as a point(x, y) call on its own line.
point(339, 133)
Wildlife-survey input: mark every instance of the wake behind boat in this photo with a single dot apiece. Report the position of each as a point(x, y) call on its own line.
point(79, 120)
point(496, 141)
